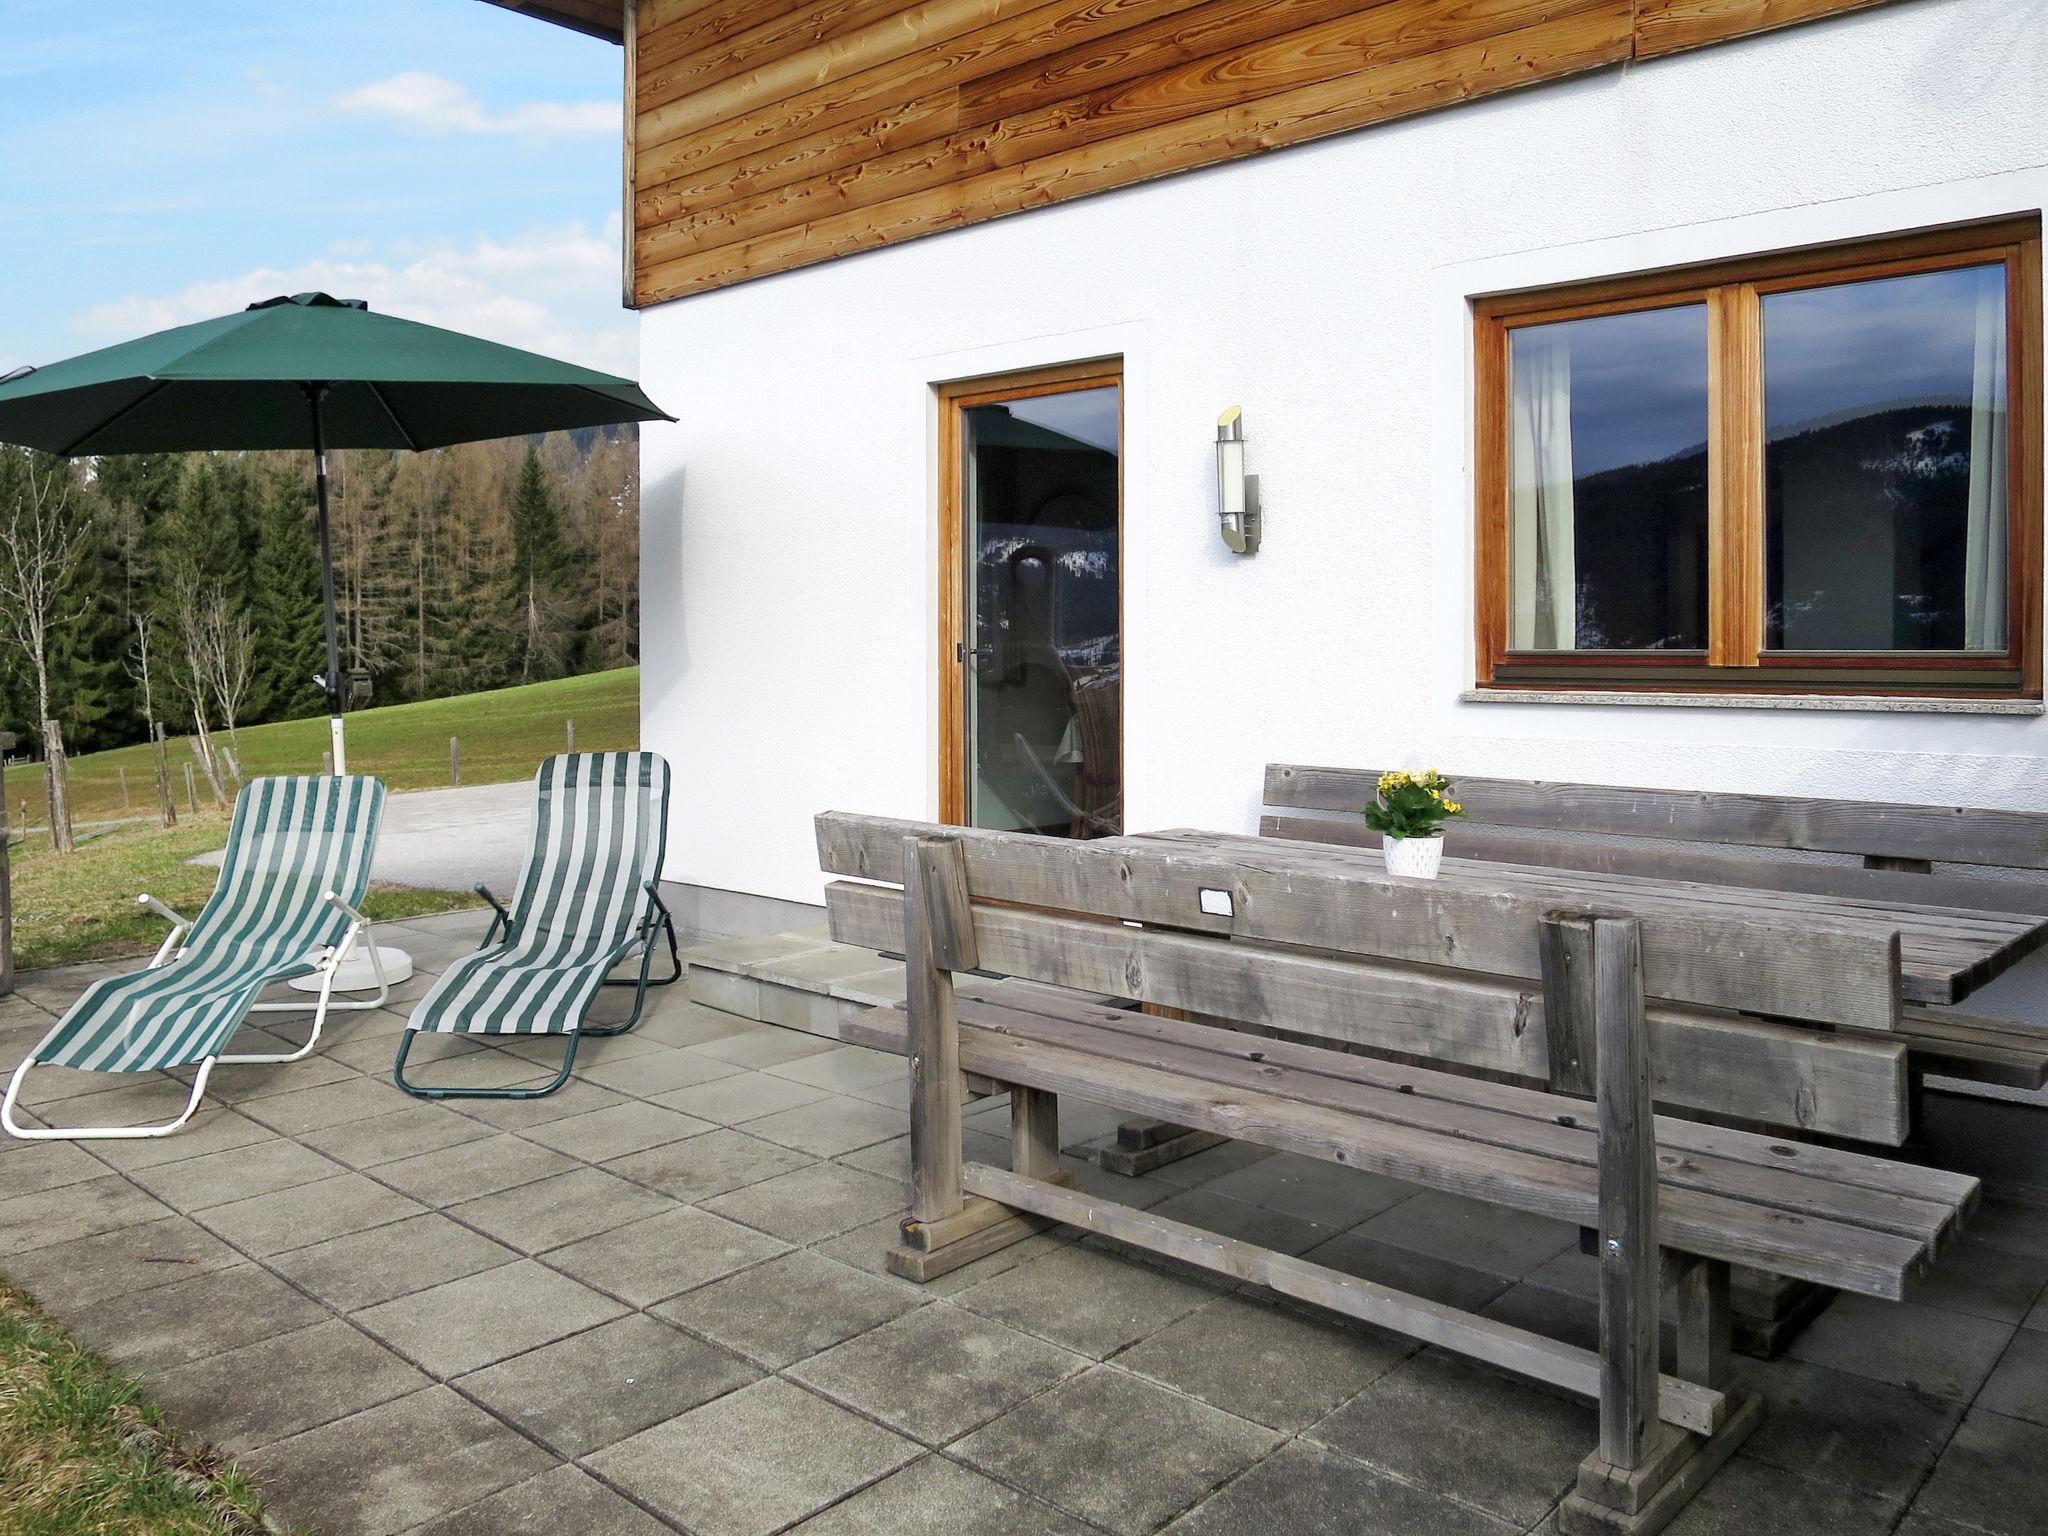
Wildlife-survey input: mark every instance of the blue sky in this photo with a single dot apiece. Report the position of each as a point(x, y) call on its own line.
point(445, 159)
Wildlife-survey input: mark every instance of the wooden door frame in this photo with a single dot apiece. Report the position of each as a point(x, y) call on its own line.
point(953, 397)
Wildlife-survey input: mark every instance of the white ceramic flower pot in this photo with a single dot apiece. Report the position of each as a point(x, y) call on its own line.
point(1416, 857)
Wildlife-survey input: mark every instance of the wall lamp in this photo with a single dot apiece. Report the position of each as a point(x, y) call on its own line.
point(1237, 493)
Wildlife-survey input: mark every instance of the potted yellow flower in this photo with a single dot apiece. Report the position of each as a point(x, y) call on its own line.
point(1409, 815)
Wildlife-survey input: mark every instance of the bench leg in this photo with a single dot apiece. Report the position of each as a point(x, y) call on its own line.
point(1141, 1146)
point(982, 1227)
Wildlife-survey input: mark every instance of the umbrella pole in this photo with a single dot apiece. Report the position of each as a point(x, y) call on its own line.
point(314, 392)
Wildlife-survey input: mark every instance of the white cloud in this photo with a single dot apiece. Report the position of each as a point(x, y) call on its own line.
point(433, 104)
point(552, 289)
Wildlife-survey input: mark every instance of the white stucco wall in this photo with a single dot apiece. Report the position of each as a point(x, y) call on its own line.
point(790, 521)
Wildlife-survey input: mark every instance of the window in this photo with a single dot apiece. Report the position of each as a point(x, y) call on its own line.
point(1816, 472)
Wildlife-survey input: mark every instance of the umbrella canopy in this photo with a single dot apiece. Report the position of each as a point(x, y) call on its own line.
point(241, 381)
point(306, 371)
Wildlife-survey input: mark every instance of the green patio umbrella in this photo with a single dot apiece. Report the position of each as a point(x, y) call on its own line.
point(307, 371)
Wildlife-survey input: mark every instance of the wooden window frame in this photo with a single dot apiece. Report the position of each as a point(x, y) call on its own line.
point(1734, 659)
point(953, 398)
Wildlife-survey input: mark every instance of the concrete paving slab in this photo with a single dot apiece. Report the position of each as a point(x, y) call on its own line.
point(206, 1314)
point(408, 1132)
point(92, 1206)
point(1294, 1492)
point(811, 1203)
point(1746, 1497)
point(217, 1178)
point(566, 1499)
point(249, 1397)
point(753, 1461)
point(1847, 1429)
point(937, 1497)
point(829, 1127)
point(744, 1096)
point(294, 1218)
point(708, 1165)
point(1946, 1353)
point(752, 1312)
point(124, 1262)
point(617, 1130)
point(2018, 1384)
point(562, 1209)
point(473, 1169)
point(676, 1250)
point(1087, 1301)
point(658, 1072)
point(466, 1324)
point(362, 1269)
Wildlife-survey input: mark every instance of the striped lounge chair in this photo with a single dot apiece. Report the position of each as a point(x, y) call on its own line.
point(296, 869)
point(587, 900)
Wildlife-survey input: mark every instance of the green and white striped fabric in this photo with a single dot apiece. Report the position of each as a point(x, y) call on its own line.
point(600, 824)
point(292, 841)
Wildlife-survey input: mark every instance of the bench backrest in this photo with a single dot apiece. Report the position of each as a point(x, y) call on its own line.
point(1660, 832)
point(1348, 955)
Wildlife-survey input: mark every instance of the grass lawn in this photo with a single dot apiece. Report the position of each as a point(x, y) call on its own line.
point(83, 907)
point(83, 1453)
point(504, 735)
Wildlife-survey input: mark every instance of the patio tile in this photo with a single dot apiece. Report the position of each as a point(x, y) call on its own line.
point(1311, 1189)
point(215, 1128)
point(811, 1203)
point(1255, 1224)
point(753, 1461)
point(1992, 1476)
point(752, 1312)
point(596, 1388)
point(742, 1097)
point(28, 1222)
point(206, 1314)
point(1272, 1365)
point(765, 1045)
point(361, 1269)
point(2018, 1385)
point(120, 1263)
point(1746, 1497)
point(659, 1072)
point(677, 1250)
point(1406, 1270)
point(936, 1497)
point(1471, 1233)
point(618, 1130)
point(562, 1209)
point(294, 1218)
point(567, 1499)
point(938, 1372)
point(712, 1164)
point(1116, 1450)
point(473, 1169)
point(313, 1109)
point(1205, 1166)
point(463, 1325)
point(235, 1174)
point(2017, 1226)
point(683, 1023)
point(408, 1132)
point(1086, 1300)
point(249, 1084)
point(1929, 1350)
point(1846, 1429)
point(890, 1159)
point(343, 1480)
point(249, 1397)
point(830, 1126)
point(49, 1165)
point(1294, 1491)
point(1421, 1422)
point(841, 1070)
point(578, 1096)
point(1972, 1276)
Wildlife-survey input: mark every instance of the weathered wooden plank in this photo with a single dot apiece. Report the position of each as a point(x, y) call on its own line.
point(1035, 1133)
point(937, 933)
point(1703, 1323)
point(1828, 1253)
point(1833, 1084)
point(1813, 972)
point(1564, 1366)
point(1406, 1095)
point(1568, 1006)
point(1569, 43)
point(1949, 833)
point(1667, 26)
point(1630, 1270)
point(671, 74)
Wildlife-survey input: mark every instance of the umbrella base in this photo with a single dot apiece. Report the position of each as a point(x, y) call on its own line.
point(356, 974)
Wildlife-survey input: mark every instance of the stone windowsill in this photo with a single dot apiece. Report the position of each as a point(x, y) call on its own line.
point(1838, 704)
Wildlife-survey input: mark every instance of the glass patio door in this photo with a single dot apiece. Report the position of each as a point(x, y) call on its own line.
point(1036, 625)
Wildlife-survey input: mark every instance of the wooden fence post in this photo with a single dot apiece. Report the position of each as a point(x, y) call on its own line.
point(326, 765)
point(166, 802)
point(454, 761)
point(6, 890)
point(58, 790)
point(571, 727)
point(123, 772)
point(191, 791)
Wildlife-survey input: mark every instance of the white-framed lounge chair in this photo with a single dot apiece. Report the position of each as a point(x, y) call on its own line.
point(295, 872)
point(587, 900)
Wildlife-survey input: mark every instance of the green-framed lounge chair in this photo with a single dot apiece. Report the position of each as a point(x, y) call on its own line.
point(587, 900)
point(295, 872)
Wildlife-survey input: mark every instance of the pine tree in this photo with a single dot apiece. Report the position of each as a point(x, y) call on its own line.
point(284, 594)
point(542, 588)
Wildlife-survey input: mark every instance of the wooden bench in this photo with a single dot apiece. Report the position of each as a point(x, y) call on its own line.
point(1881, 853)
point(1306, 962)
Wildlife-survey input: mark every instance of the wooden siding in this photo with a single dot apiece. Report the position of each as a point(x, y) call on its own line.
point(769, 134)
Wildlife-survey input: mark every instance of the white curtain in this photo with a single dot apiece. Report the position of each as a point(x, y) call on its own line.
point(1984, 561)
point(1541, 556)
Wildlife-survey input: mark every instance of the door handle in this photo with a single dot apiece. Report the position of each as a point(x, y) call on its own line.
point(962, 650)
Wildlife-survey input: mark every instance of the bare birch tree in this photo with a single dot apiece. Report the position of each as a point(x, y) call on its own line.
point(44, 538)
point(139, 669)
point(228, 654)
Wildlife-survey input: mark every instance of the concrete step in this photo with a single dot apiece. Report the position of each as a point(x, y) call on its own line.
point(799, 980)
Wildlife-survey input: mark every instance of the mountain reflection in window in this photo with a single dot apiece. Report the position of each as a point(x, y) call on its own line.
point(1885, 464)
point(1608, 483)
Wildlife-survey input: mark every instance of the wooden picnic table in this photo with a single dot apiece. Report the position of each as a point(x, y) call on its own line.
point(1945, 953)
